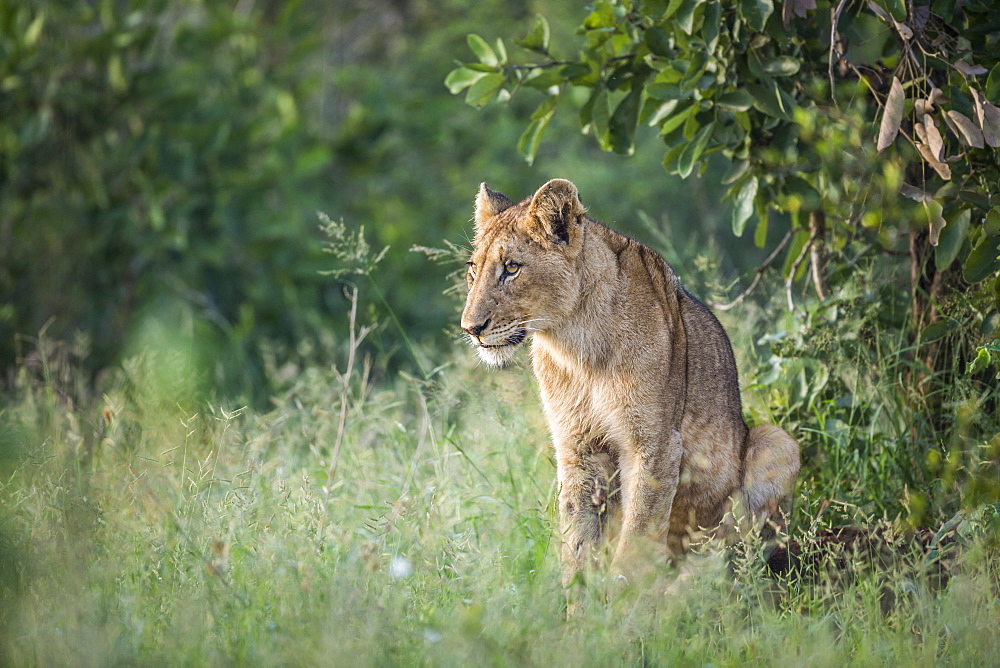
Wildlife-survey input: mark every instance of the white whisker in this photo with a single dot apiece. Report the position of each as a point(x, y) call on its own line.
point(522, 323)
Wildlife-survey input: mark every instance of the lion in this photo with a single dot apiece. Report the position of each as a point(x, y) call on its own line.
point(637, 379)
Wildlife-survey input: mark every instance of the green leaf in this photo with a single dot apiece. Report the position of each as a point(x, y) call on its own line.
point(600, 115)
point(992, 224)
point(672, 157)
point(895, 8)
point(735, 101)
point(484, 52)
point(982, 261)
point(587, 111)
point(581, 74)
point(603, 16)
point(760, 234)
point(744, 204)
point(686, 15)
point(34, 30)
point(756, 67)
point(710, 29)
point(989, 325)
point(654, 111)
point(537, 39)
point(690, 155)
point(530, 139)
point(543, 79)
point(665, 91)
point(479, 67)
point(622, 75)
point(658, 42)
point(982, 361)
point(802, 196)
point(992, 91)
point(939, 329)
point(975, 198)
point(546, 108)
point(672, 8)
point(621, 127)
point(694, 71)
point(767, 98)
point(756, 13)
point(483, 90)
point(461, 78)
point(950, 241)
point(501, 52)
point(677, 119)
point(670, 73)
point(116, 74)
point(799, 240)
point(737, 169)
point(782, 66)
point(773, 372)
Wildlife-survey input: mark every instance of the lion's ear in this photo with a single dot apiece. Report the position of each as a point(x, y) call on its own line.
point(557, 208)
point(489, 203)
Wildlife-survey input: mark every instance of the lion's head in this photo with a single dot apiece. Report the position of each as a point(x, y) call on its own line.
point(523, 274)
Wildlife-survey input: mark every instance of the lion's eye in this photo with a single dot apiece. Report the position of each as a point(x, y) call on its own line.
point(511, 267)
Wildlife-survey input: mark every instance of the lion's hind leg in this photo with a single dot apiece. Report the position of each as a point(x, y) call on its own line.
point(770, 467)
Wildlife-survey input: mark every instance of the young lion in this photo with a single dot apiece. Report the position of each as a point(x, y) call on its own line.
point(637, 378)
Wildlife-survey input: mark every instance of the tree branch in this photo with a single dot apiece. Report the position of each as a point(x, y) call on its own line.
point(759, 271)
point(559, 63)
point(817, 229)
point(540, 66)
point(833, 46)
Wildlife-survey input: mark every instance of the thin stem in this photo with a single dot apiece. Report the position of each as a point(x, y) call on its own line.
point(795, 269)
point(560, 63)
point(399, 327)
point(759, 272)
point(355, 340)
point(817, 227)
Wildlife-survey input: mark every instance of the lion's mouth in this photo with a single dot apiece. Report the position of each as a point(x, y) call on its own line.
point(512, 340)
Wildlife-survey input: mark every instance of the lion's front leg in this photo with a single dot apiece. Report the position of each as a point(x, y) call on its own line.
point(579, 520)
point(586, 499)
point(649, 482)
point(579, 524)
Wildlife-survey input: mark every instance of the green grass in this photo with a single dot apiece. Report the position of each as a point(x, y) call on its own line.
point(144, 526)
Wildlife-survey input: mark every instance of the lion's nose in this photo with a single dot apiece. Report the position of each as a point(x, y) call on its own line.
point(476, 330)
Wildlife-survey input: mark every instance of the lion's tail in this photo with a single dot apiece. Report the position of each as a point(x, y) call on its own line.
point(770, 468)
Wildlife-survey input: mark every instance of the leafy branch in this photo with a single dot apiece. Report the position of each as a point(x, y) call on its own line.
point(784, 92)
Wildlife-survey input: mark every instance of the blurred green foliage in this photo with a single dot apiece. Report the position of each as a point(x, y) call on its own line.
point(156, 163)
point(162, 163)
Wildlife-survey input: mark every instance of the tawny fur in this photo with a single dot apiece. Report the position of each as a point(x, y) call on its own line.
point(637, 378)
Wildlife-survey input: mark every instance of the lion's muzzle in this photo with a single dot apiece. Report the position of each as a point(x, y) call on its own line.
point(496, 342)
point(475, 330)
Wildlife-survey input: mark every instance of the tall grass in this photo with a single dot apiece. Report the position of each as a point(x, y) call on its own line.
point(370, 518)
point(139, 525)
